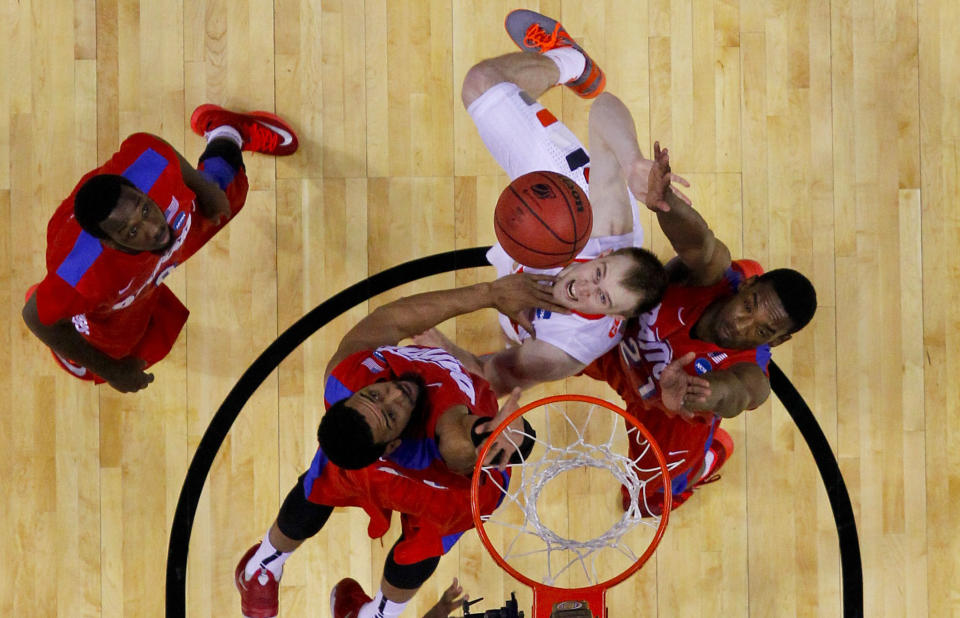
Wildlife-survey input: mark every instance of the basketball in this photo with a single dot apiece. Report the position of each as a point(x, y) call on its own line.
point(543, 219)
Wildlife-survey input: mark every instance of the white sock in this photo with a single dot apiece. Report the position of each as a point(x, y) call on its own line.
point(569, 61)
point(225, 131)
point(268, 557)
point(380, 607)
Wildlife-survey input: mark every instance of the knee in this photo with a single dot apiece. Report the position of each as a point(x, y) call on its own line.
point(480, 78)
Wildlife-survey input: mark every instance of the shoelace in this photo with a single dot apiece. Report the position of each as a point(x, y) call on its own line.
point(535, 36)
point(262, 137)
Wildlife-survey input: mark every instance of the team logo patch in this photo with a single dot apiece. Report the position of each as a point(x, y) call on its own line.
point(543, 191)
point(178, 221)
point(717, 357)
point(171, 209)
point(542, 314)
point(702, 366)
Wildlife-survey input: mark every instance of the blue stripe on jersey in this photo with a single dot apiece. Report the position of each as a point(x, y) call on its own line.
point(735, 277)
point(316, 469)
point(146, 169)
point(335, 391)
point(85, 251)
point(216, 169)
point(763, 356)
point(415, 454)
point(450, 540)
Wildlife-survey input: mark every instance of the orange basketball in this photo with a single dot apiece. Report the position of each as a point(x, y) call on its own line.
point(543, 219)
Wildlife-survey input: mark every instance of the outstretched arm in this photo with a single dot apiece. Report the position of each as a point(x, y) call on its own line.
point(702, 253)
point(615, 156)
point(512, 296)
point(741, 387)
point(519, 366)
point(528, 364)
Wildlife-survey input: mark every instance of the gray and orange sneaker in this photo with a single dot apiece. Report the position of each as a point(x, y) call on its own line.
point(261, 131)
point(534, 32)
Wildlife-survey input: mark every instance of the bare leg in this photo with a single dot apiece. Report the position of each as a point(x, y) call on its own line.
point(397, 595)
point(531, 71)
point(281, 541)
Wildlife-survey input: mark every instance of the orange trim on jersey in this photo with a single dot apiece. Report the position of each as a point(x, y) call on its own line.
point(545, 117)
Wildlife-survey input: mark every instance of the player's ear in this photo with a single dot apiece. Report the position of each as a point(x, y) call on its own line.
point(392, 446)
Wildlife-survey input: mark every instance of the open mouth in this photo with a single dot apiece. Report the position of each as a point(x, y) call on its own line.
point(570, 291)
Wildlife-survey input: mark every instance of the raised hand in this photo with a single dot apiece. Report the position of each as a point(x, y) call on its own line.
point(505, 445)
point(450, 601)
point(649, 180)
point(516, 295)
point(678, 389)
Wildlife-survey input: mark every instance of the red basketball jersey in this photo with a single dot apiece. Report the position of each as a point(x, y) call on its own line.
point(655, 338)
point(110, 294)
point(413, 480)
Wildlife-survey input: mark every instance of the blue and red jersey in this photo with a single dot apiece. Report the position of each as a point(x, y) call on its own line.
point(109, 294)
point(654, 339)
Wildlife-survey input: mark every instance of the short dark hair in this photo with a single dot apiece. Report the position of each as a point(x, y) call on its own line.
point(346, 438)
point(795, 292)
point(647, 277)
point(96, 199)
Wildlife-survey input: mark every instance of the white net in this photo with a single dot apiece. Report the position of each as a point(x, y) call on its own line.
point(574, 533)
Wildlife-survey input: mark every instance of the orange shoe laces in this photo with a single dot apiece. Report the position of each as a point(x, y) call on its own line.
point(535, 36)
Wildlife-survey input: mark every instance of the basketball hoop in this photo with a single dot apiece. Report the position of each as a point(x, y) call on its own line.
point(574, 433)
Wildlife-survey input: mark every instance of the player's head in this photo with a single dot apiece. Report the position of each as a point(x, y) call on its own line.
point(358, 430)
point(623, 283)
point(111, 208)
point(766, 309)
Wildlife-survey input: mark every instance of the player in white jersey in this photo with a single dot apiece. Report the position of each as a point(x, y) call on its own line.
point(612, 278)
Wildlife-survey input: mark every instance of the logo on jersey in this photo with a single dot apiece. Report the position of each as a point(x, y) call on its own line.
point(80, 323)
point(372, 365)
point(178, 221)
point(543, 191)
point(646, 347)
point(542, 314)
point(717, 357)
point(702, 366)
point(442, 359)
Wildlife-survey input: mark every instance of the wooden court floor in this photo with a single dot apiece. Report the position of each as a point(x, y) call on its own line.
point(822, 135)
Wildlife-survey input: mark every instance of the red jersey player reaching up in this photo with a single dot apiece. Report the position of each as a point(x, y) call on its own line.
point(718, 319)
point(103, 308)
point(401, 432)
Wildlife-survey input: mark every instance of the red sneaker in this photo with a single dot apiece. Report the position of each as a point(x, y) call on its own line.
point(538, 33)
point(346, 598)
point(719, 452)
point(261, 131)
point(259, 595)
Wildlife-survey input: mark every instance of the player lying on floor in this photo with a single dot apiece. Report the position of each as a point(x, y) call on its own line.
point(401, 433)
point(612, 278)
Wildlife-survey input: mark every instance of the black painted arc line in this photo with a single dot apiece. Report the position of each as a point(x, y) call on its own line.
point(296, 334)
point(851, 568)
point(254, 376)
